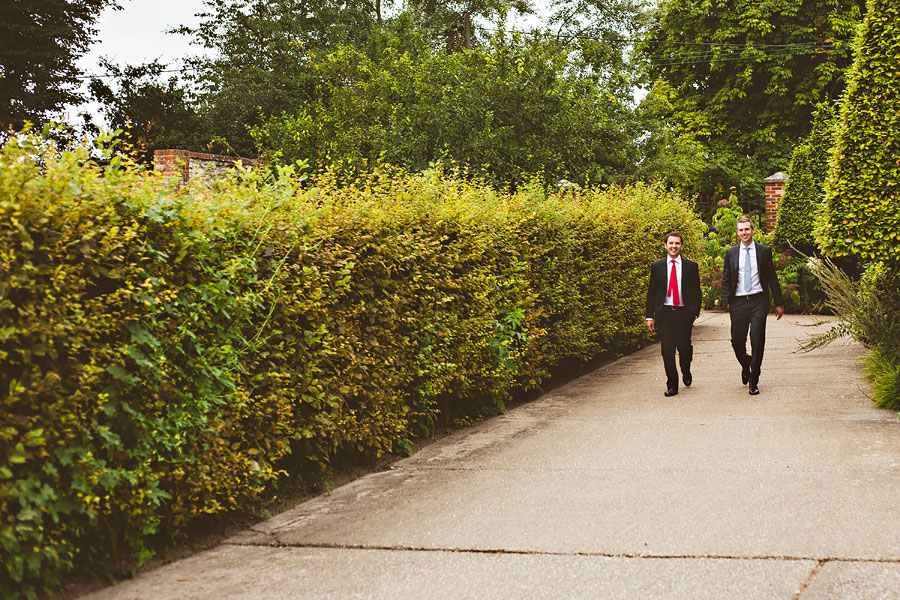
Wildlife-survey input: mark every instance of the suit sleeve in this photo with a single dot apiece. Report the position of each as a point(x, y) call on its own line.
point(727, 275)
point(650, 311)
point(772, 277)
point(696, 295)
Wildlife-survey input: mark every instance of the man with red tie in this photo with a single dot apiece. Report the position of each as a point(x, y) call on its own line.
point(673, 302)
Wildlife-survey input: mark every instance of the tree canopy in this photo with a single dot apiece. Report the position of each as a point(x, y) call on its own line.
point(742, 78)
point(731, 84)
point(433, 79)
point(153, 112)
point(507, 110)
point(39, 44)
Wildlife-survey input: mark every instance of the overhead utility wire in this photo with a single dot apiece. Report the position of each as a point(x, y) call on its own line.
point(663, 61)
point(699, 57)
point(668, 42)
point(730, 44)
point(712, 57)
point(105, 75)
point(721, 60)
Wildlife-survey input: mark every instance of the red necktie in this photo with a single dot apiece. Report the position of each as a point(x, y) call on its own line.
point(673, 286)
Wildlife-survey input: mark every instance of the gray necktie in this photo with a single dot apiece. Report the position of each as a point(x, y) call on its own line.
point(747, 272)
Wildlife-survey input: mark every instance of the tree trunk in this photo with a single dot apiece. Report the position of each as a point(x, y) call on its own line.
point(467, 31)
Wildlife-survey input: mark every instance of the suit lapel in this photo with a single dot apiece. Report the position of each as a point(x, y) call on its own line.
point(759, 263)
point(663, 281)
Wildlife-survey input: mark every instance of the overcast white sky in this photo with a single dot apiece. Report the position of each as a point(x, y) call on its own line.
point(135, 34)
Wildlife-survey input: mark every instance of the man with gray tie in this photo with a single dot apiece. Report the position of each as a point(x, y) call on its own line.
point(748, 278)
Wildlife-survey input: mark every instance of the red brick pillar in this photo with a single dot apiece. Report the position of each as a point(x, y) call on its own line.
point(774, 185)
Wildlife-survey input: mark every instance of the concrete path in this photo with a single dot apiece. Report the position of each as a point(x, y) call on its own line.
point(603, 488)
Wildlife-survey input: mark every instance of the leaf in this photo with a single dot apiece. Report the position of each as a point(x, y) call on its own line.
point(122, 374)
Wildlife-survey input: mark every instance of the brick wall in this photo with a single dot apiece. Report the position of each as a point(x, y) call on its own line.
point(774, 186)
point(195, 165)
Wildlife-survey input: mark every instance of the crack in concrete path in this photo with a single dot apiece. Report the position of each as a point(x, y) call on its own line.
point(809, 579)
point(401, 548)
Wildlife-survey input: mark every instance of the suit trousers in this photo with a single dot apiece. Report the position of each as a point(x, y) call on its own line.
point(749, 312)
point(674, 331)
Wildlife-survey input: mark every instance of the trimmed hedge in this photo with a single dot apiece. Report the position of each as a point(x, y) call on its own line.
point(804, 193)
point(167, 354)
point(863, 188)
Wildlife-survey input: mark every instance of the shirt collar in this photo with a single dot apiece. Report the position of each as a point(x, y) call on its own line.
point(677, 259)
point(752, 245)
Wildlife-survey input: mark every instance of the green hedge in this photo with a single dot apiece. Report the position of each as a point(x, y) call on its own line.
point(862, 204)
point(167, 354)
point(803, 202)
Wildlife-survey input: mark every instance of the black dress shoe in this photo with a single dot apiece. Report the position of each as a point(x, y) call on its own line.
point(686, 377)
point(753, 389)
point(671, 392)
point(745, 377)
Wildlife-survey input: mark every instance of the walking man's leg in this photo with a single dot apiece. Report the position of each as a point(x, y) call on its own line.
point(667, 332)
point(685, 349)
point(740, 324)
point(759, 312)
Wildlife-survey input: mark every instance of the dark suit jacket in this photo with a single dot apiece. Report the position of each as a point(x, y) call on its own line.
point(767, 276)
point(659, 287)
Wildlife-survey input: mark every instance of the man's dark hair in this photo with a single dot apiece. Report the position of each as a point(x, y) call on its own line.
point(673, 233)
point(747, 220)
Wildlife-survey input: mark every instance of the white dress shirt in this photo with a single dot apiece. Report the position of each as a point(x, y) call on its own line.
point(755, 285)
point(677, 260)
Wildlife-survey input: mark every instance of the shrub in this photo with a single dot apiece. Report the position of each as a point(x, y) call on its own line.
point(167, 354)
point(799, 287)
point(799, 206)
point(868, 310)
point(862, 218)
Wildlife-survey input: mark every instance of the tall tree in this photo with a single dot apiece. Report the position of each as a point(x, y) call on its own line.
point(460, 24)
point(743, 77)
point(602, 32)
point(39, 45)
point(863, 189)
point(260, 56)
point(521, 105)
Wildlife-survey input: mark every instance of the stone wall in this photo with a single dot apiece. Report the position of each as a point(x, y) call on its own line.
point(195, 165)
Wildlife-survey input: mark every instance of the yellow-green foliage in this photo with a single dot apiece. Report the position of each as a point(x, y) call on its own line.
point(863, 189)
point(163, 352)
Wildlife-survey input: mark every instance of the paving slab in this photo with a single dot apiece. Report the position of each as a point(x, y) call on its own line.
point(842, 580)
point(339, 574)
point(603, 488)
